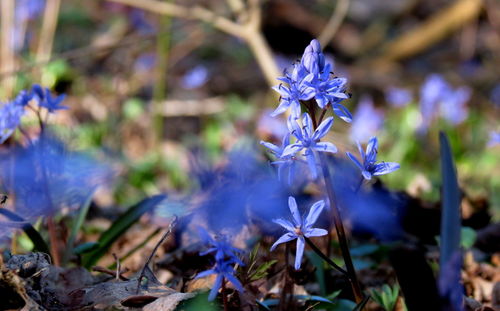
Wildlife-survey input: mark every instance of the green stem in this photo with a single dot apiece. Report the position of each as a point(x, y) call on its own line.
point(339, 227)
point(324, 257)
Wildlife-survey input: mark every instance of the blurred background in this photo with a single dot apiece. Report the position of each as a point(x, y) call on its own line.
point(152, 84)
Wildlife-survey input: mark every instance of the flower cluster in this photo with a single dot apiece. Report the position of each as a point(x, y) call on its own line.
point(226, 256)
point(300, 227)
point(439, 97)
point(311, 78)
point(12, 111)
point(370, 167)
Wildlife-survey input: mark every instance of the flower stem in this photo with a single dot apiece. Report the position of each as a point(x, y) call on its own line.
point(224, 295)
point(339, 227)
point(324, 257)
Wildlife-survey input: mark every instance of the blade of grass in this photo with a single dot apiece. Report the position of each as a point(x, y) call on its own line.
point(120, 226)
point(75, 228)
point(34, 236)
point(450, 212)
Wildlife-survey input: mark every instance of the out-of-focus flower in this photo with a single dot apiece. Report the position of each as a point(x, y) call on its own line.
point(221, 247)
point(494, 139)
point(300, 227)
point(45, 99)
point(398, 97)
point(370, 167)
point(138, 20)
point(453, 105)
point(145, 62)
point(195, 77)
point(283, 162)
point(309, 139)
point(25, 11)
point(495, 95)
point(437, 97)
point(45, 176)
point(224, 271)
point(10, 118)
point(367, 120)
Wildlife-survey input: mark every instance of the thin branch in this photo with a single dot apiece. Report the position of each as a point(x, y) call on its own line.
point(334, 23)
point(196, 12)
point(167, 233)
point(47, 33)
point(7, 55)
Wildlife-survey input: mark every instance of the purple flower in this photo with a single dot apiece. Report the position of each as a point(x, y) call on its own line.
point(309, 140)
point(494, 139)
point(296, 91)
point(311, 78)
point(283, 162)
point(195, 77)
point(495, 95)
point(10, 118)
point(224, 270)
point(453, 105)
point(45, 99)
point(369, 167)
point(221, 247)
point(367, 120)
point(398, 97)
point(300, 227)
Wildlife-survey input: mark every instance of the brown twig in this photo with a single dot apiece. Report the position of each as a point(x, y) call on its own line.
point(48, 30)
point(112, 272)
point(334, 22)
point(165, 235)
point(7, 56)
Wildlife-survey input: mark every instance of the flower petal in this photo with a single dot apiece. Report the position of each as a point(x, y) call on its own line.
point(371, 150)
point(315, 232)
point(292, 205)
point(314, 213)
point(215, 288)
point(231, 278)
point(291, 149)
point(307, 125)
point(283, 106)
point(342, 112)
point(275, 149)
point(323, 128)
point(300, 252)
point(283, 239)
point(385, 168)
point(325, 147)
point(205, 273)
point(367, 175)
point(285, 224)
point(353, 159)
point(311, 162)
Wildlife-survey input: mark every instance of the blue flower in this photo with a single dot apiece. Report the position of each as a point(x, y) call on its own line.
point(10, 117)
point(369, 167)
point(300, 227)
point(309, 140)
point(398, 97)
point(453, 105)
point(494, 139)
point(296, 91)
point(311, 79)
point(221, 247)
point(45, 99)
point(224, 270)
point(283, 162)
point(367, 120)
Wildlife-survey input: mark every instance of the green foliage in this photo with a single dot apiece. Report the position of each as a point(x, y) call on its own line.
point(198, 303)
point(119, 227)
point(256, 273)
point(467, 237)
point(387, 296)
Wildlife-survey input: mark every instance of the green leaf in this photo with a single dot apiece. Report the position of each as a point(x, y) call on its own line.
point(75, 228)
point(120, 226)
point(85, 248)
point(468, 237)
point(39, 244)
point(262, 270)
point(450, 198)
point(317, 262)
